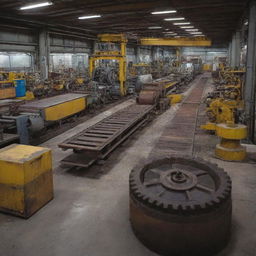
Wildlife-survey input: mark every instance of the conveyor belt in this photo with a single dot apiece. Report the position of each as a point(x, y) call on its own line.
point(97, 141)
point(178, 136)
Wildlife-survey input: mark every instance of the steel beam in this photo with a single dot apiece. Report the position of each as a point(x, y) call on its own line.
point(183, 41)
point(250, 85)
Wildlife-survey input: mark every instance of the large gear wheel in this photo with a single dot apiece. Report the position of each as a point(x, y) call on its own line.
point(181, 206)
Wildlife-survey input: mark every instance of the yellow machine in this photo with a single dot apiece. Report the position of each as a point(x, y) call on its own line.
point(229, 148)
point(139, 69)
point(112, 54)
point(219, 111)
point(228, 100)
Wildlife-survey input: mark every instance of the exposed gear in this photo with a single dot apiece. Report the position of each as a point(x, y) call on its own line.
point(181, 206)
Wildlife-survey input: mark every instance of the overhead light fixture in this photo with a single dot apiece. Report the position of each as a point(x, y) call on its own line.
point(192, 30)
point(167, 29)
point(246, 23)
point(181, 23)
point(164, 12)
point(199, 35)
point(154, 27)
point(187, 27)
point(173, 19)
point(169, 32)
point(196, 33)
point(38, 5)
point(89, 17)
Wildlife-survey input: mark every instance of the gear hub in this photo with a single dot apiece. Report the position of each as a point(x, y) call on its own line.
point(181, 206)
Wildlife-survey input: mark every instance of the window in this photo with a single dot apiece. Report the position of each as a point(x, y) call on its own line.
point(61, 61)
point(15, 61)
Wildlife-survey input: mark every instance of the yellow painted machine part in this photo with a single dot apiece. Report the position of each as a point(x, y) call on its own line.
point(207, 67)
point(209, 127)
point(25, 179)
point(238, 132)
point(182, 41)
point(169, 85)
point(65, 109)
point(112, 38)
point(6, 93)
point(29, 96)
point(237, 154)
point(175, 98)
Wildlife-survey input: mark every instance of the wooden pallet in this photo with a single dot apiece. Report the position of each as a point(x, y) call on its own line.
point(99, 140)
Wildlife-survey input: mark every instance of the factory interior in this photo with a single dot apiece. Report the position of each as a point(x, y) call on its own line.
point(127, 128)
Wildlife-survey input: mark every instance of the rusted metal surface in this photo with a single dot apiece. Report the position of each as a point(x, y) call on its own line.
point(181, 206)
point(97, 141)
point(178, 135)
point(148, 97)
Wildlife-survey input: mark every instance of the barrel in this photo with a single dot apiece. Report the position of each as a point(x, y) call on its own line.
point(20, 87)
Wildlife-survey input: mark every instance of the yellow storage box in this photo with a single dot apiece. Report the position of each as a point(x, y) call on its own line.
point(26, 181)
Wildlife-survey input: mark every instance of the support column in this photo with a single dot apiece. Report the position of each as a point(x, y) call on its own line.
point(235, 50)
point(137, 54)
point(154, 52)
point(44, 54)
point(250, 84)
point(230, 53)
point(238, 48)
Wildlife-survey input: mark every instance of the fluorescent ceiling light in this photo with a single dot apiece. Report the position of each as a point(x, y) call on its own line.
point(181, 23)
point(164, 12)
point(169, 32)
point(154, 27)
point(199, 35)
point(187, 27)
point(192, 30)
point(196, 33)
point(172, 19)
point(246, 23)
point(32, 6)
point(89, 17)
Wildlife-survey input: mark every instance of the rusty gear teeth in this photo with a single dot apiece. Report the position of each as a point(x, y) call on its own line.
point(182, 203)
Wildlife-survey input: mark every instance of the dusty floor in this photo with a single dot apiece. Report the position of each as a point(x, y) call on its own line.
point(89, 215)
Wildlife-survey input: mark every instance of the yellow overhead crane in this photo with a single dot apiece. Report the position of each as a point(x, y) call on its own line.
point(120, 56)
point(180, 41)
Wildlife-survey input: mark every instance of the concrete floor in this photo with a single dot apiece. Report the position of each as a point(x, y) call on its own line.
point(89, 215)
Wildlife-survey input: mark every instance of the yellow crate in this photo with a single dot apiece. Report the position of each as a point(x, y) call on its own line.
point(65, 109)
point(6, 93)
point(26, 181)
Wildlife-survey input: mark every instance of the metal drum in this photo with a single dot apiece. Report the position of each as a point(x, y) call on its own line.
point(20, 87)
point(181, 206)
point(148, 98)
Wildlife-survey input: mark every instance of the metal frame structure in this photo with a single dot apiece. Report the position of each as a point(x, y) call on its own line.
point(182, 41)
point(120, 56)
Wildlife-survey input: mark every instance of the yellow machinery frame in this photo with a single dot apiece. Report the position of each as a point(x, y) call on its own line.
point(120, 56)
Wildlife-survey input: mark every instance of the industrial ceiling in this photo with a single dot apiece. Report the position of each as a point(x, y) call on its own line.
point(217, 19)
